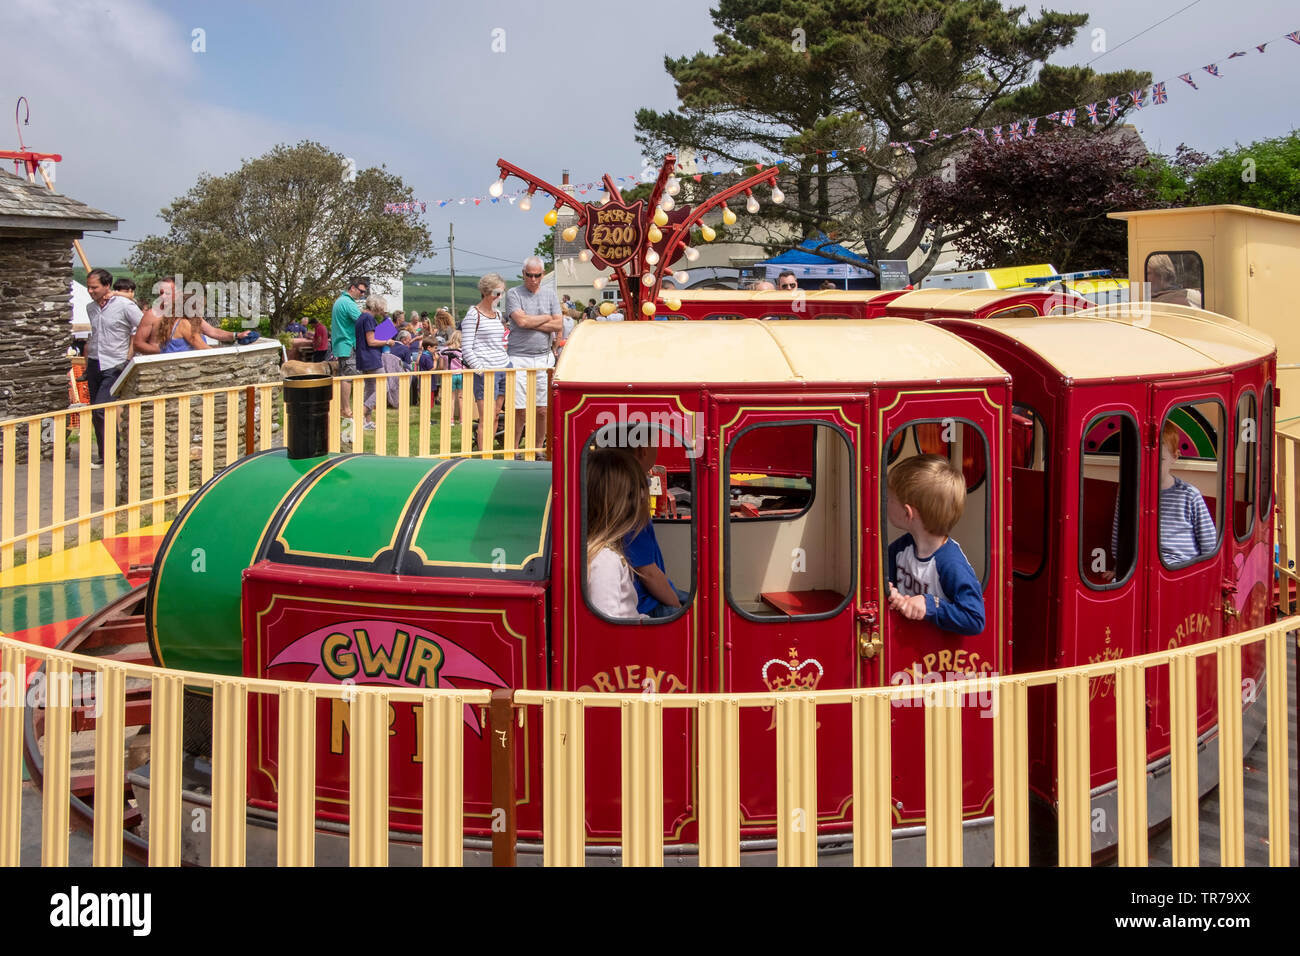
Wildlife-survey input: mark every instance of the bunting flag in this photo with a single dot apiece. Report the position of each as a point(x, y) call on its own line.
point(1056, 114)
point(1029, 130)
point(1233, 56)
point(1294, 37)
point(981, 134)
point(1015, 132)
point(1138, 98)
point(1067, 117)
point(1158, 94)
point(1112, 106)
point(1212, 69)
point(1260, 47)
point(997, 135)
point(1092, 113)
point(934, 134)
point(1187, 78)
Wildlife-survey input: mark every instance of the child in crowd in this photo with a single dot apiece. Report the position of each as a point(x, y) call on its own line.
point(618, 506)
point(934, 580)
point(451, 359)
point(1186, 529)
point(320, 341)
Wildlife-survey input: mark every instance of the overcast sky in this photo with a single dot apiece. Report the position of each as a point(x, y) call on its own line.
point(116, 88)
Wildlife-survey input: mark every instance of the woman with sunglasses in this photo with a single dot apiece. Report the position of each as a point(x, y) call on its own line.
point(482, 335)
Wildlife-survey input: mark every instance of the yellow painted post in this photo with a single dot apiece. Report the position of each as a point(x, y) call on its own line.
point(8, 506)
point(296, 830)
point(108, 473)
point(85, 439)
point(445, 406)
point(110, 769)
point(1232, 813)
point(530, 416)
point(444, 780)
point(183, 408)
point(233, 422)
point(13, 675)
point(159, 459)
point(1284, 521)
point(133, 496)
point(165, 736)
point(58, 483)
point(467, 413)
point(643, 781)
point(404, 416)
point(487, 423)
point(380, 414)
point(796, 780)
point(336, 412)
point(56, 790)
point(1184, 819)
point(1011, 772)
point(1131, 751)
point(719, 768)
point(265, 403)
point(872, 811)
point(511, 439)
point(32, 517)
point(425, 413)
point(368, 783)
point(206, 439)
point(1279, 823)
point(229, 782)
point(943, 836)
point(1074, 814)
point(563, 780)
point(358, 414)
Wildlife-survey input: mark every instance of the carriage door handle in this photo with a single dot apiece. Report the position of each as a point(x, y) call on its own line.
point(869, 641)
point(1229, 604)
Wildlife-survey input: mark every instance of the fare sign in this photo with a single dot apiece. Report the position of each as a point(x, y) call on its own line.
point(614, 233)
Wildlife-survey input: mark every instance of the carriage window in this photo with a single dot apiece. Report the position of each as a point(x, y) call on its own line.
point(965, 446)
point(1243, 464)
point(1028, 490)
point(638, 520)
point(1191, 483)
point(1177, 278)
point(1016, 312)
point(791, 545)
point(1108, 501)
point(1266, 439)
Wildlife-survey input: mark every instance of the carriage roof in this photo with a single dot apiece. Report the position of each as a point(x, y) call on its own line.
point(962, 300)
point(1134, 339)
point(775, 350)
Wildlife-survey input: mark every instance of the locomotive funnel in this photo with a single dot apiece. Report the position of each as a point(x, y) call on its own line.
point(307, 400)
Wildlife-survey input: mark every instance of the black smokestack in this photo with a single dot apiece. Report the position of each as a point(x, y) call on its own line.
point(307, 401)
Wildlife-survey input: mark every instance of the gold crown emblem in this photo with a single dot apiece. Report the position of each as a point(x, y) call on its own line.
point(798, 675)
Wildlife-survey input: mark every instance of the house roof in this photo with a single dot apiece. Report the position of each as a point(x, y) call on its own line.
point(25, 205)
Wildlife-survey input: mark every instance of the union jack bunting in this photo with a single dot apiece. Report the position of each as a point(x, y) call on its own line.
point(1260, 48)
point(1067, 117)
point(1294, 37)
point(1015, 132)
point(1233, 56)
point(1030, 127)
point(1212, 69)
point(1112, 106)
point(1056, 115)
point(908, 147)
point(1158, 94)
point(1092, 113)
point(997, 135)
point(1187, 78)
point(934, 134)
point(984, 137)
point(1138, 97)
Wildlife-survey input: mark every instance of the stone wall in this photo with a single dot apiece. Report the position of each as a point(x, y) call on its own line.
point(156, 375)
point(35, 308)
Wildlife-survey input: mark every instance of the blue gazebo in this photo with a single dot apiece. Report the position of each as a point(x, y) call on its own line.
point(811, 267)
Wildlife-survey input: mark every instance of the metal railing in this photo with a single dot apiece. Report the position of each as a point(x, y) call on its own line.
point(48, 504)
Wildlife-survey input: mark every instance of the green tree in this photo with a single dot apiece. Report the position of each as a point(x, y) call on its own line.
point(294, 221)
point(831, 83)
point(1265, 175)
point(546, 247)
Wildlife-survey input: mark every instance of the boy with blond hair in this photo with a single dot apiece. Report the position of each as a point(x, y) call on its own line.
point(929, 576)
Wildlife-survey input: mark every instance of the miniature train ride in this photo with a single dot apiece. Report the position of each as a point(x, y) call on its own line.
point(775, 439)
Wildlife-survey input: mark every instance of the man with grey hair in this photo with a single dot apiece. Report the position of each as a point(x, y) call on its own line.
point(534, 316)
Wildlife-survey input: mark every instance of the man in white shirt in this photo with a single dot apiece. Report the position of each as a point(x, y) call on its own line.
point(113, 320)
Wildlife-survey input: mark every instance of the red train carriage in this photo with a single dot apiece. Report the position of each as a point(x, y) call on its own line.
point(830, 304)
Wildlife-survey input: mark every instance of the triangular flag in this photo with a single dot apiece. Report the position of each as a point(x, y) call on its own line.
point(1212, 69)
point(1187, 78)
point(1261, 46)
point(1233, 56)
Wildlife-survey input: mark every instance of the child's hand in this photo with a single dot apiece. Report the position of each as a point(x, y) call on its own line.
point(912, 608)
point(895, 599)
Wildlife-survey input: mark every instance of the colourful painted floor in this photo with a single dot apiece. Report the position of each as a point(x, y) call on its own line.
point(42, 601)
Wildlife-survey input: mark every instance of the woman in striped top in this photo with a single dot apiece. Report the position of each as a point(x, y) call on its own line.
point(482, 336)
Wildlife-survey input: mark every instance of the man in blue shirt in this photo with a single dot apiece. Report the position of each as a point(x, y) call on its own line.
point(343, 331)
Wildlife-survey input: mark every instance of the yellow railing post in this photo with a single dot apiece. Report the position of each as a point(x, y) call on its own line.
point(133, 456)
point(1279, 782)
point(13, 684)
point(563, 781)
point(295, 832)
point(1232, 819)
point(229, 780)
point(166, 731)
point(8, 503)
point(1184, 818)
point(719, 768)
point(643, 781)
point(943, 768)
point(444, 780)
point(1072, 771)
point(872, 812)
point(1131, 759)
point(58, 475)
point(368, 781)
point(109, 765)
point(1011, 772)
point(796, 779)
point(56, 789)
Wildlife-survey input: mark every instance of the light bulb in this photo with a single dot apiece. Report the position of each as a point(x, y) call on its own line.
point(661, 218)
point(654, 233)
point(672, 187)
point(751, 205)
point(570, 233)
point(707, 232)
point(607, 308)
point(647, 309)
point(728, 217)
point(681, 278)
point(691, 253)
point(666, 204)
point(599, 282)
point(526, 202)
point(651, 257)
point(778, 197)
point(496, 188)
point(673, 304)
point(584, 255)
